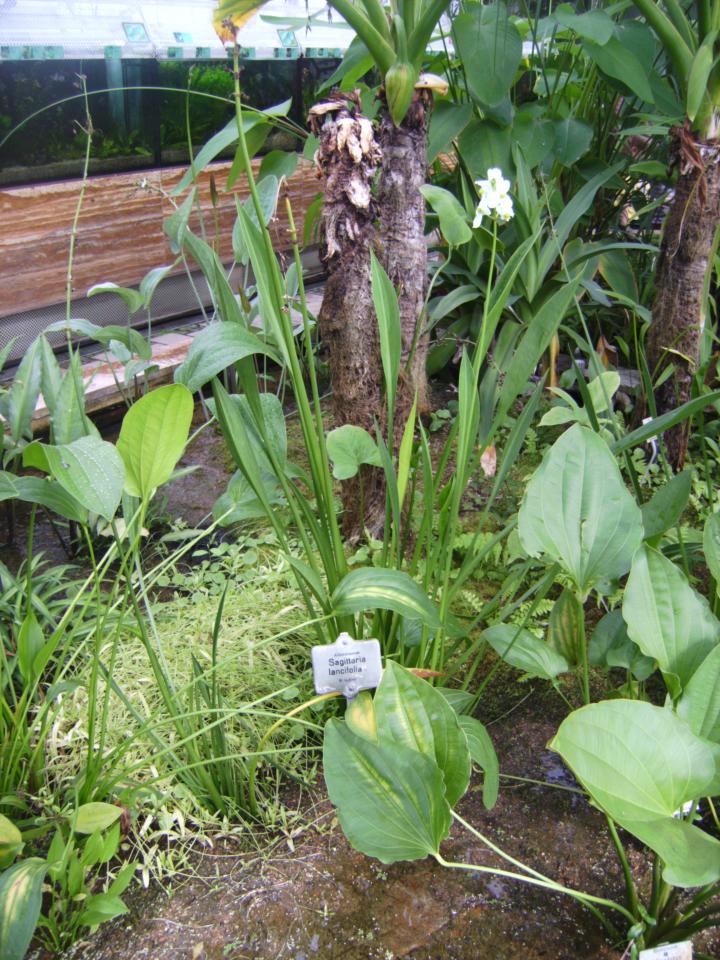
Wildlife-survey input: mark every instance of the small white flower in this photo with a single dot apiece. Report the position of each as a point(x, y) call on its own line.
point(484, 209)
point(495, 200)
point(498, 182)
point(504, 209)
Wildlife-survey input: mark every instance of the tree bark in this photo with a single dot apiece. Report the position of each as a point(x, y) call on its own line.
point(347, 158)
point(678, 311)
point(403, 247)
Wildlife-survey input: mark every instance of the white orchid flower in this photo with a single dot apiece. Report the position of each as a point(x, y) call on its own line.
point(495, 201)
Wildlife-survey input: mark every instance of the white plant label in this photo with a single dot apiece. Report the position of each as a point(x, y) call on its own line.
point(347, 666)
point(670, 951)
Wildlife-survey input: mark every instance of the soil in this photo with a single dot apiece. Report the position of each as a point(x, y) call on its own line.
point(313, 897)
point(321, 899)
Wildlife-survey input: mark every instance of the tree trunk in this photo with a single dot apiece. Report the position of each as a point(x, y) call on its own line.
point(403, 249)
point(678, 311)
point(347, 157)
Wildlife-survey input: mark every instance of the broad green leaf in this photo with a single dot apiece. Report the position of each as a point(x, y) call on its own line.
point(360, 716)
point(566, 626)
point(349, 447)
point(490, 49)
point(11, 842)
point(20, 903)
point(577, 511)
point(151, 281)
point(89, 469)
point(30, 642)
point(447, 122)
point(269, 436)
point(483, 144)
point(572, 140)
point(459, 700)
point(389, 798)
point(95, 816)
point(610, 646)
point(524, 650)
point(51, 377)
point(278, 164)
point(412, 713)
point(453, 219)
point(67, 412)
point(267, 190)
point(373, 588)
point(602, 389)
point(666, 506)
point(240, 502)
point(711, 546)
point(18, 405)
point(132, 339)
point(619, 62)
point(153, 436)
point(482, 752)
point(593, 25)
point(699, 705)
point(8, 486)
point(132, 299)
point(641, 763)
point(387, 312)
point(216, 348)
point(667, 619)
point(638, 761)
point(691, 857)
point(535, 135)
point(49, 493)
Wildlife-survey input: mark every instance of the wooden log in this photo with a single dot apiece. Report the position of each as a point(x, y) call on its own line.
point(120, 230)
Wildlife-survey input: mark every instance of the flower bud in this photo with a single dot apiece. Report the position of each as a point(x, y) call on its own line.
point(399, 88)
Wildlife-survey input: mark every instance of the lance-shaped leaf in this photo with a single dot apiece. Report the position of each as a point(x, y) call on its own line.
point(640, 764)
point(214, 349)
point(453, 219)
point(20, 902)
point(711, 546)
point(390, 799)
point(153, 436)
point(699, 705)
point(372, 588)
point(490, 49)
point(667, 619)
point(524, 650)
point(665, 507)
point(482, 752)
point(578, 512)
point(411, 712)
point(11, 842)
point(89, 469)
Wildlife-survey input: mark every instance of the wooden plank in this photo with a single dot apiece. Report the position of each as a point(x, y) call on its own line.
point(120, 234)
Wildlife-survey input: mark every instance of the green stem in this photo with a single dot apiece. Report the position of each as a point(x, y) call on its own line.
point(537, 879)
point(583, 651)
point(252, 765)
point(630, 888)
